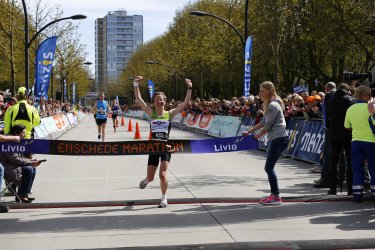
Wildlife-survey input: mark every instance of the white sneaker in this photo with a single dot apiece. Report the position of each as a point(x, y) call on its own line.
point(163, 203)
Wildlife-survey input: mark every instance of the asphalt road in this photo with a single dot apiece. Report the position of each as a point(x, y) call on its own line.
point(92, 202)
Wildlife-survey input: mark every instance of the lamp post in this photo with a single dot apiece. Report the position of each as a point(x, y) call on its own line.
point(170, 71)
point(244, 41)
point(65, 82)
point(201, 13)
point(74, 94)
point(27, 43)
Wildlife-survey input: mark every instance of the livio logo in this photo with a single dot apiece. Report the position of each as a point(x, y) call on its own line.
point(225, 147)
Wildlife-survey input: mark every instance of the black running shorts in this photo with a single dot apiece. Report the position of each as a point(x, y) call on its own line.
point(153, 160)
point(101, 121)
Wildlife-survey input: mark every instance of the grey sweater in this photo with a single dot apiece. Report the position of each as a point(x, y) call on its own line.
point(274, 121)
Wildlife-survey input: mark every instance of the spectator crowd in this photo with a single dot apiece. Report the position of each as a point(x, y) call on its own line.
point(330, 106)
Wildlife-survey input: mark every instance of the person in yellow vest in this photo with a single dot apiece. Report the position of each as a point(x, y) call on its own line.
point(22, 113)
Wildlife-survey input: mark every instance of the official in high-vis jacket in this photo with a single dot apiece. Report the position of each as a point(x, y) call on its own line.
point(22, 113)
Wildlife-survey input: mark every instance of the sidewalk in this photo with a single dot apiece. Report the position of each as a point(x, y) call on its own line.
point(94, 202)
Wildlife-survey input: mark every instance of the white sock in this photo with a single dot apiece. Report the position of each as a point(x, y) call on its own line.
point(163, 196)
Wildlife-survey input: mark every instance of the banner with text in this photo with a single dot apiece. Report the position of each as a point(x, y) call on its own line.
point(43, 67)
point(58, 147)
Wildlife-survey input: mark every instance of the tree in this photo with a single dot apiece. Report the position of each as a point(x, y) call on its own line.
point(10, 46)
point(294, 41)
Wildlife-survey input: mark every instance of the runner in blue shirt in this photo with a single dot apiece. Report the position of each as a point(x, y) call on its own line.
point(101, 108)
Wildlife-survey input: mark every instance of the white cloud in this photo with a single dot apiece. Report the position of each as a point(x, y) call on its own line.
point(157, 15)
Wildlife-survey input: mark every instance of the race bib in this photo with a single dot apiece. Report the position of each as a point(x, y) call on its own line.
point(160, 130)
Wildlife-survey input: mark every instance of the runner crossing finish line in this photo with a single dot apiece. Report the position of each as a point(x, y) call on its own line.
point(59, 147)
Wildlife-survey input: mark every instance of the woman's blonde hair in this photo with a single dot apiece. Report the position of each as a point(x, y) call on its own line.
point(266, 102)
point(361, 92)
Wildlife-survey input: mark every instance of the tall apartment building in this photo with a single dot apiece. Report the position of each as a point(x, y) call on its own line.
point(117, 36)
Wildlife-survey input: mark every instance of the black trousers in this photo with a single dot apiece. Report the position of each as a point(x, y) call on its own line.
point(345, 170)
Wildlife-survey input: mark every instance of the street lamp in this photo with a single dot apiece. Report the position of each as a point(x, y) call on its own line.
point(170, 71)
point(201, 13)
point(27, 43)
point(64, 83)
point(244, 41)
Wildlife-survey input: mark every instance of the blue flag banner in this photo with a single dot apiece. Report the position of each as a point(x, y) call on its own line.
point(43, 67)
point(74, 93)
point(248, 56)
point(151, 88)
point(65, 92)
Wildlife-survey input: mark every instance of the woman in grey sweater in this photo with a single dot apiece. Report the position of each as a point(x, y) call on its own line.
point(274, 125)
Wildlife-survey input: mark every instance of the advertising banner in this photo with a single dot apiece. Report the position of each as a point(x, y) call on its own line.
point(43, 67)
point(293, 128)
point(310, 144)
point(248, 57)
point(60, 147)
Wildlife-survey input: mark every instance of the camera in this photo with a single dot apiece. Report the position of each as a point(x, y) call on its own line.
point(348, 76)
point(372, 87)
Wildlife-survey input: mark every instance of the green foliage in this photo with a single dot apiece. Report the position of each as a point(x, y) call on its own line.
point(70, 54)
point(295, 41)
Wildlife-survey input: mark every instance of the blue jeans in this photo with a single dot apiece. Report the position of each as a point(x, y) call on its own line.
point(274, 150)
point(28, 176)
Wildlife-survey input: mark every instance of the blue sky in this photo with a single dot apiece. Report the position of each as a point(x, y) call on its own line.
point(157, 14)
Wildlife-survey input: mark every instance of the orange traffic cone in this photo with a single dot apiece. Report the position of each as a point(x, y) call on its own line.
point(137, 134)
point(130, 128)
point(122, 121)
point(150, 136)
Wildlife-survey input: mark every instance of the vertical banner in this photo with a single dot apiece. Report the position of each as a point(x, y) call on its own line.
point(151, 88)
point(74, 93)
point(65, 92)
point(43, 67)
point(248, 56)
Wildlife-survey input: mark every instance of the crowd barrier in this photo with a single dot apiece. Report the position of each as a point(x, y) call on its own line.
point(306, 137)
point(53, 127)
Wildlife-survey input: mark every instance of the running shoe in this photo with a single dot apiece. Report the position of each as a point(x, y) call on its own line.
point(271, 200)
point(143, 184)
point(163, 203)
point(99, 136)
point(4, 209)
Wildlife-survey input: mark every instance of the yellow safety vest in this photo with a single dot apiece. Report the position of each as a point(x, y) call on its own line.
point(21, 113)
